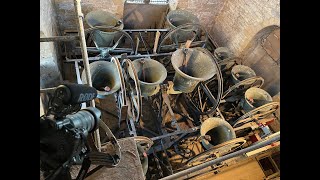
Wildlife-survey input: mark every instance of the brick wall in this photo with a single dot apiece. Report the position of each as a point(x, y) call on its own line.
point(66, 12)
point(240, 20)
point(232, 23)
point(206, 10)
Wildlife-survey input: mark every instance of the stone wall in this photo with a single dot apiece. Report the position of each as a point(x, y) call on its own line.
point(66, 12)
point(50, 75)
point(232, 23)
point(49, 67)
point(205, 10)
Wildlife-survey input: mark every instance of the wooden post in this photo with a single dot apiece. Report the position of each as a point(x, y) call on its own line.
point(85, 58)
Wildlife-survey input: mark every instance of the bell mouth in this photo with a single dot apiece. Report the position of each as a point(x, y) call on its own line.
point(105, 78)
point(179, 17)
point(103, 18)
point(222, 53)
point(199, 67)
point(149, 71)
point(241, 72)
point(218, 130)
point(256, 97)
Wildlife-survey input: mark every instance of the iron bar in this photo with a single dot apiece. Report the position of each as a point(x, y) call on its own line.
point(193, 44)
point(146, 30)
point(131, 30)
point(79, 81)
point(213, 42)
point(144, 44)
point(191, 130)
point(223, 158)
point(119, 56)
point(148, 131)
point(206, 90)
point(167, 145)
point(71, 38)
point(95, 50)
point(59, 38)
point(47, 90)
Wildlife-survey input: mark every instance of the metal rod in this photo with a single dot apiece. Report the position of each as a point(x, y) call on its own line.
point(223, 158)
point(83, 46)
point(47, 90)
point(79, 81)
point(176, 133)
point(148, 131)
point(137, 30)
point(59, 38)
point(76, 67)
point(119, 56)
point(79, 60)
point(95, 48)
point(194, 43)
point(213, 42)
point(146, 30)
point(208, 93)
point(144, 44)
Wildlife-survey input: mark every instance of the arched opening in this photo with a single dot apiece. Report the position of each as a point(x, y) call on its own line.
point(262, 54)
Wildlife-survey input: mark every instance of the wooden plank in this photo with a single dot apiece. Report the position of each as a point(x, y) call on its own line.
point(263, 149)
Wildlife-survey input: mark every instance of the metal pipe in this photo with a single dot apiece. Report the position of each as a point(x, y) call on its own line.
point(193, 44)
point(149, 131)
point(47, 90)
point(96, 49)
point(223, 158)
point(191, 130)
point(59, 38)
point(119, 56)
point(79, 81)
point(146, 30)
point(148, 55)
point(79, 60)
point(134, 30)
point(83, 46)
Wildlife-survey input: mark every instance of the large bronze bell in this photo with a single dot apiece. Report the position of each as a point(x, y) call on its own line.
point(222, 53)
point(241, 72)
point(103, 38)
point(218, 130)
point(105, 78)
point(255, 97)
point(177, 18)
point(192, 66)
point(150, 74)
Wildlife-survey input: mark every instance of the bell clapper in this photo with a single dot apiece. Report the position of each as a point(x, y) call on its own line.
point(107, 88)
point(185, 60)
point(143, 73)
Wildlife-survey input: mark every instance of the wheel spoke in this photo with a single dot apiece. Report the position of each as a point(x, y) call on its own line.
point(117, 43)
